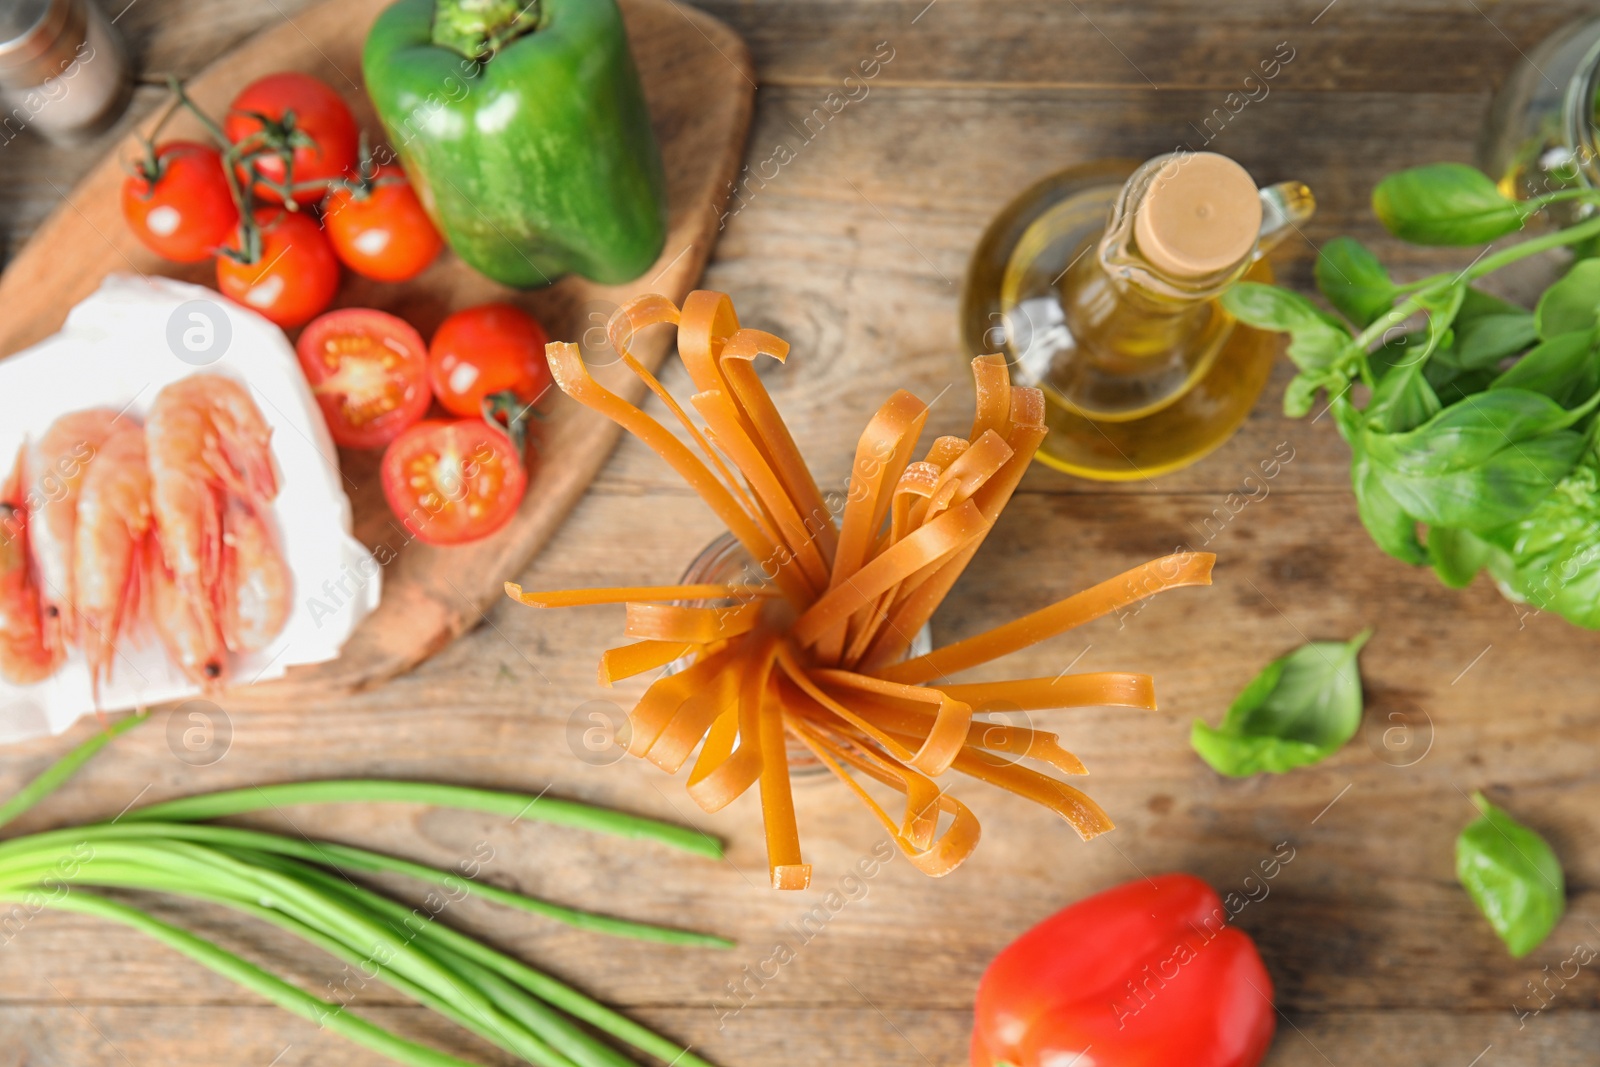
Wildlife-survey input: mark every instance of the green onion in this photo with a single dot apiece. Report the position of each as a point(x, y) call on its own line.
point(259, 981)
point(300, 886)
point(65, 768)
point(375, 790)
point(344, 857)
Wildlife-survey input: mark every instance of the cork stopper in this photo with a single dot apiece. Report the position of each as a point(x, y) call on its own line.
point(1201, 215)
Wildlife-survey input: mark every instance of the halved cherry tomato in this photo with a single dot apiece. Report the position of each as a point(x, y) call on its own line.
point(179, 203)
point(293, 278)
point(452, 482)
point(379, 229)
point(483, 352)
point(272, 110)
point(369, 371)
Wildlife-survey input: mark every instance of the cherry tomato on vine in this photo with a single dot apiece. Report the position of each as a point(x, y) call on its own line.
point(452, 482)
point(299, 115)
point(178, 203)
point(294, 274)
point(487, 357)
point(378, 227)
point(369, 371)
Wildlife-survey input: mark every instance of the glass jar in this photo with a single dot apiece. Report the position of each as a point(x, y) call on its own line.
point(725, 562)
point(63, 70)
point(1540, 134)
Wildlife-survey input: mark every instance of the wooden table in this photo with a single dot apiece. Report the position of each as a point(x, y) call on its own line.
point(855, 253)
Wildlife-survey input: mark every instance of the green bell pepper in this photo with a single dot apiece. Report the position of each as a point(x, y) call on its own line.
point(524, 129)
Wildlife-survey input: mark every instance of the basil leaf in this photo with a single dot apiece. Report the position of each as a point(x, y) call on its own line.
point(1268, 307)
point(1445, 204)
point(1354, 281)
point(1403, 399)
point(1301, 394)
point(1397, 352)
point(1488, 330)
point(1317, 339)
point(1494, 337)
point(1481, 463)
point(1513, 876)
point(1457, 555)
point(1453, 386)
point(1477, 304)
point(1572, 303)
point(1302, 708)
point(1498, 490)
point(1565, 368)
point(1550, 558)
point(1442, 307)
point(1465, 434)
point(1316, 347)
point(1587, 248)
point(1390, 527)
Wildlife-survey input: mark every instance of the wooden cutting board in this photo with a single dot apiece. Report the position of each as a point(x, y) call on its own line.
point(700, 85)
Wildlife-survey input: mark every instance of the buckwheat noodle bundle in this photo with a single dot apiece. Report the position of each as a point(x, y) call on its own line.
point(819, 654)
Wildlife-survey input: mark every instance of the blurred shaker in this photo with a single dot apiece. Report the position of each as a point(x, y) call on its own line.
point(64, 70)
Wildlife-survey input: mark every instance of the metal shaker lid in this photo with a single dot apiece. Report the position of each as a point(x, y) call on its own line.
point(30, 32)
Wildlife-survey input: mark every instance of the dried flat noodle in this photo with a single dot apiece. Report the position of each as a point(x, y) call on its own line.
point(882, 454)
point(673, 746)
point(700, 626)
point(794, 528)
point(723, 773)
point(572, 598)
point(938, 540)
point(629, 660)
point(737, 362)
point(1025, 431)
point(1147, 579)
point(1103, 689)
point(818, 655)
point(573, 378)
point(992, 384)
point(652, 309)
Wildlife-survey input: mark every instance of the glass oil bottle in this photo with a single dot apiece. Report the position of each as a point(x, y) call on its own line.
point(1100, 285)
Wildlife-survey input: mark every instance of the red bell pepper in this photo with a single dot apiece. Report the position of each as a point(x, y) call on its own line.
point(1148, 974)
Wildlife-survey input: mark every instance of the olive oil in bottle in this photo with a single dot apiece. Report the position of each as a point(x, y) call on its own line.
point(1100, 285)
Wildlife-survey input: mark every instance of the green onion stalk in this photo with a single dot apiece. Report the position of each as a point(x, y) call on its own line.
point(301, 886)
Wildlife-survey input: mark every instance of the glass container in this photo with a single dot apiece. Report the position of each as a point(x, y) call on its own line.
point(1540, 134)
point(64, 70)
point(725, 561)
point(1099, 284)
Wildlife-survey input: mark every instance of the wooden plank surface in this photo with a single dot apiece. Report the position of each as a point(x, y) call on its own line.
point(855, 253)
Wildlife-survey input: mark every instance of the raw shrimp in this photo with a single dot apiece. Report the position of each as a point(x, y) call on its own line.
point(25, 658)
point(57, 464)
point(208, 450)
point(113, 521)
point(192, 640)
point(253, 599)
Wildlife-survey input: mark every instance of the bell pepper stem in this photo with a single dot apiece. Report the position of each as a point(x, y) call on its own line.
point(480, 28)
